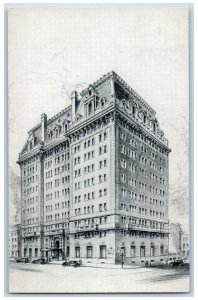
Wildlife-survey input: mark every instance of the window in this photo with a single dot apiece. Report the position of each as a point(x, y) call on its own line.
point(142, 251)
point(89, 251)
point(90, 108)
point(102, 251)
point(132, 251)
point(123, 251)
point(77, 252)
point(100, 207)
point(152, 251)
point(161, 250)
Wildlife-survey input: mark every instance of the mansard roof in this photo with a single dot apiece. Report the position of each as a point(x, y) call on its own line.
point(117, 78)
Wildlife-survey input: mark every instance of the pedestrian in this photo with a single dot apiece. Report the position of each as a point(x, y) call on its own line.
point(122, 263)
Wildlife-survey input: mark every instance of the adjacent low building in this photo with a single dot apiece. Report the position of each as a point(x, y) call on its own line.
point(185, 249)
point(14, 242)
point(94, 179)
point(178, 241)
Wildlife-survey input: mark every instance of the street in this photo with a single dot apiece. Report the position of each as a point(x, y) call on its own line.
point(53, 278)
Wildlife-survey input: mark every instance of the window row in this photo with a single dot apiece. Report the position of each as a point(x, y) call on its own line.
point(31, 200)
point(136, 222)
point(102, 137)
point(29, 170)
point(126, 137)
point(89, 196)
point(61, 158)
point(91, 221)
point(56, 217)
point(30, 180)
point(90, 209)
point(89, 182)
point(102, 149)
point(89, 155)
point(64, 168)
point(89, 142)
point(30, 190)
point(141, 210)
point(30, 221)
point(30, 210)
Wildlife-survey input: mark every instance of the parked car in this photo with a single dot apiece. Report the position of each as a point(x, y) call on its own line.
point(39, 261)
point(74, 263)
point(175, 263)
point(23, 259)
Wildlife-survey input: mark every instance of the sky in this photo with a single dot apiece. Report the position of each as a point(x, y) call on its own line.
point(54, 51)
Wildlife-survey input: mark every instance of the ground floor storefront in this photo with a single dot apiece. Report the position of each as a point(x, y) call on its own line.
point(119, 247)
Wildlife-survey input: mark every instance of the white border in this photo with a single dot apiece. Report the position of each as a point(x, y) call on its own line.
point(2, 123)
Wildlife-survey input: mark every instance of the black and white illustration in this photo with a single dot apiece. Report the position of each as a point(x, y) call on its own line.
point(98, 150)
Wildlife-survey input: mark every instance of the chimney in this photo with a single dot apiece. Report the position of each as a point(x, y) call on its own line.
point(43, 126)
point(74, 101)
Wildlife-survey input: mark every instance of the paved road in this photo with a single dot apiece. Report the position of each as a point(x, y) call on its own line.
point(53, 278)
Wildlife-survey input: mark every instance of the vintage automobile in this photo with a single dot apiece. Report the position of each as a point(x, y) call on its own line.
point(175, 263)
point(23, 259)
point(74, 263)
point(39, 261)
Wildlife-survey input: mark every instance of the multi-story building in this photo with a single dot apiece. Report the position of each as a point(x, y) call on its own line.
point(175, 233)
point(14, 241)
point(185, 249)
point(178, 241)
point(94, 179)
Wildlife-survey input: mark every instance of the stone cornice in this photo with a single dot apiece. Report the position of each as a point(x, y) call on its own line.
point(114, 111)
point(30, 154)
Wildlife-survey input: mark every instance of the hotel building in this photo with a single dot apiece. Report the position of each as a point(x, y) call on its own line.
point(94, 179)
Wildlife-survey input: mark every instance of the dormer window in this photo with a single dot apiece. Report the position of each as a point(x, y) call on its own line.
point(96, 102)
point(133, 110)
point(90, 92)
point(31, 145)
point(103, 101)
point(90, 108)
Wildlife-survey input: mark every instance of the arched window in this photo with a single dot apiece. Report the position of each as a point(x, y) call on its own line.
point(142, 250)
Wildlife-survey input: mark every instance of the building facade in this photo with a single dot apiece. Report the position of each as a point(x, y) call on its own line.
point(14, 242)
point(178, 241)
point(185, 249)
point(94, 179)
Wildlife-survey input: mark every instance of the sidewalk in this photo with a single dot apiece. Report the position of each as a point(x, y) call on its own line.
point(109, 266)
